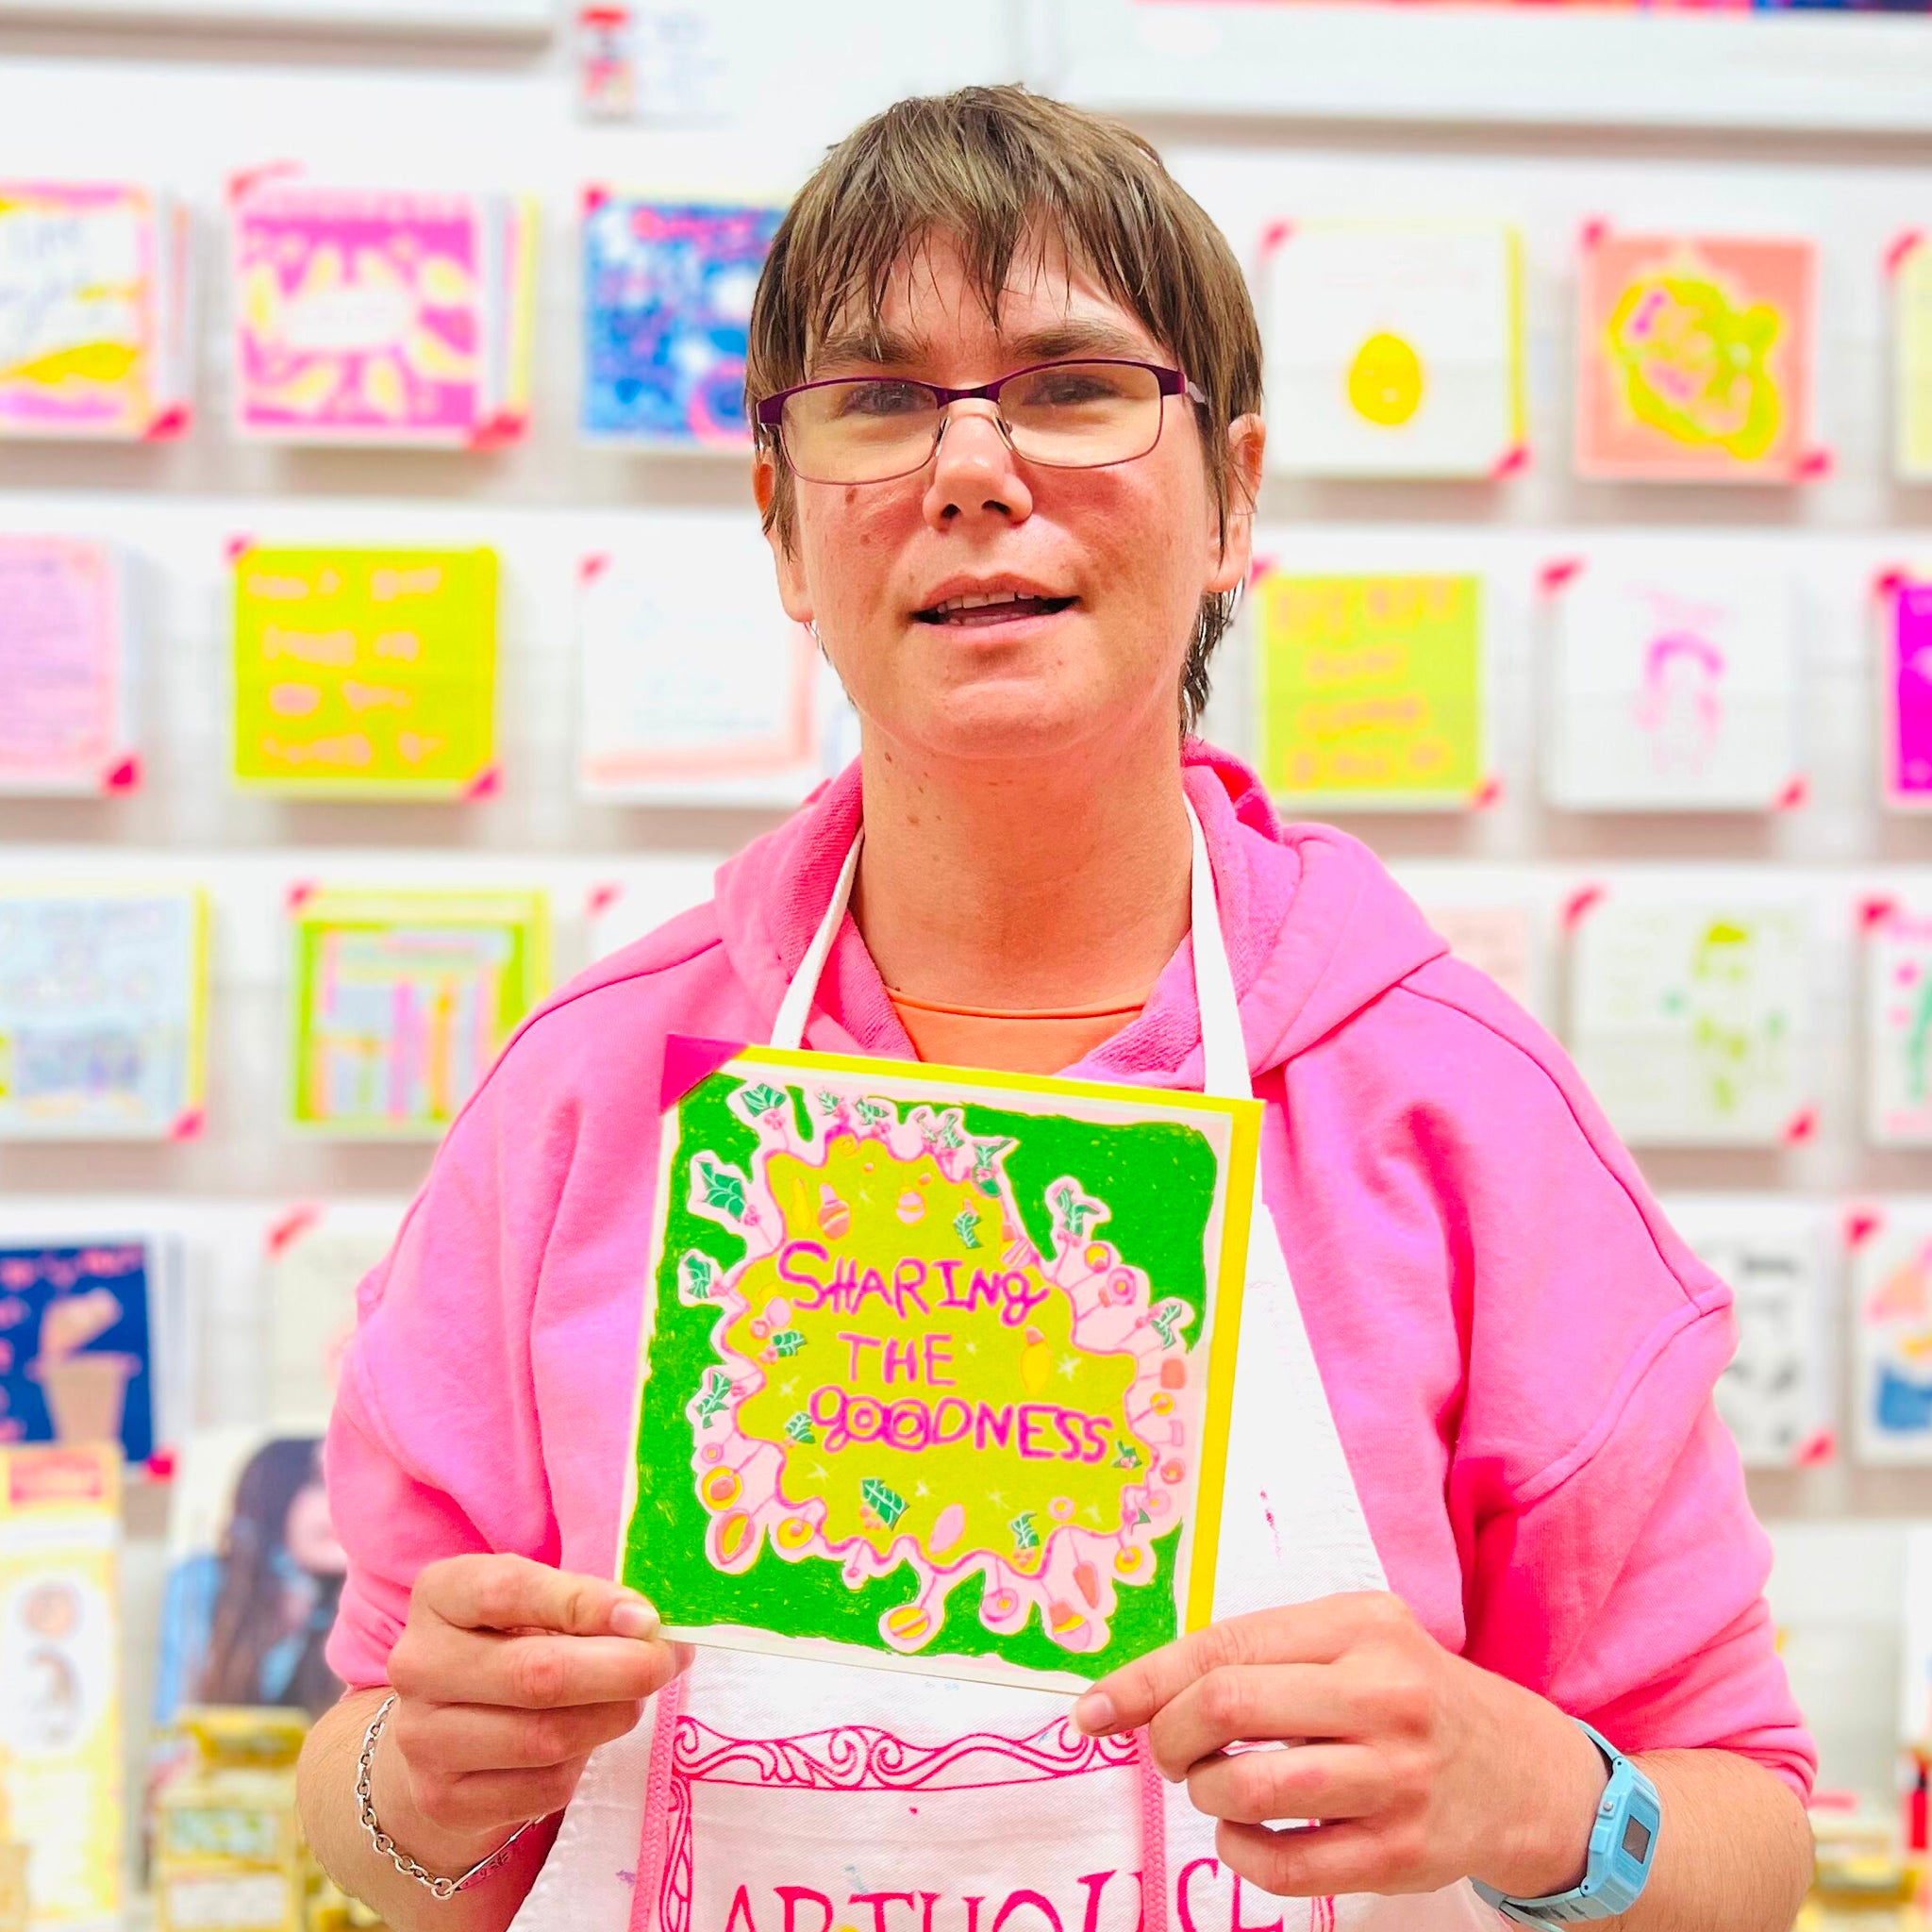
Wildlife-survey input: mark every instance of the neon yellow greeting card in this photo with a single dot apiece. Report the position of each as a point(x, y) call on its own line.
point(935, 1365)
point(366, 671)
point(1370, 691)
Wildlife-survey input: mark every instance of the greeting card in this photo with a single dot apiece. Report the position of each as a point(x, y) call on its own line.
point(1695, 358)
point(93, 301)
point(381, 316)
point(67, 723)
point(1898, 1028)
point(1691, 1020)
point(254, 1572)
point(403, 1001)
point(1370, 691)
point(1776, 1394)
point(226, 1830)
point(1904, 683)
point(1911, 313)
point(935, 1365)
point(695, 687)
point(103, 1014)
point(1499, 940)
point(80, 1345)
point(667, 289)
point(318, 1257)
point(643, 896)
point(1890, 1285)
point(367, 671)
point(62, 1785)
point(1393, 349)
point(1671, 689)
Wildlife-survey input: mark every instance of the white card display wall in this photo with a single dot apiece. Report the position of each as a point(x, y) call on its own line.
point(78, 106)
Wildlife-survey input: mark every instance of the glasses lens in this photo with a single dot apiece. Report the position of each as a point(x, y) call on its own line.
point(861, 431)
point(1079, 415)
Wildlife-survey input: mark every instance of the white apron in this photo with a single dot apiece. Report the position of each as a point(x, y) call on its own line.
point(766, 1794)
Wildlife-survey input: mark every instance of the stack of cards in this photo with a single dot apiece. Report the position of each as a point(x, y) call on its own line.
point(381, 316)
point(94, 312)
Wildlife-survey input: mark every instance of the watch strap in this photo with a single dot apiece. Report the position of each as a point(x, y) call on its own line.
point(1616, 1873)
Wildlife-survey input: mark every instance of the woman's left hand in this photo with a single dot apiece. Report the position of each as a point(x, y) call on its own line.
point(1421, 1767)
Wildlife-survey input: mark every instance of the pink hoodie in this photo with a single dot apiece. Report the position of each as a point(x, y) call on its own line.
point(1519, 1351)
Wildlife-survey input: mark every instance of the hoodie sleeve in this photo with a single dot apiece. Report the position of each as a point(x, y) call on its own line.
point(1520, 1353)
point(434, 1449)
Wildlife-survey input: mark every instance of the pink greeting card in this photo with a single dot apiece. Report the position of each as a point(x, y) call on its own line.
point(1695, 359)
point(66, 721)
point(1906, 683)
point(367, 316)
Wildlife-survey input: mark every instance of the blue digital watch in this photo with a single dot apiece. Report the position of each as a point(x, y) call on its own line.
point(1622, 1842)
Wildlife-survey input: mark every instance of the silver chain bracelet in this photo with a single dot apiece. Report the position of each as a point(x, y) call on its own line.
point(438, 1888)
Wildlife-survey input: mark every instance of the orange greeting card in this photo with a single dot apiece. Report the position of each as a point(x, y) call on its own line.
point(1695, 359)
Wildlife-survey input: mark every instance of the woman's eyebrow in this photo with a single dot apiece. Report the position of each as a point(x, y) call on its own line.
point(869, 345)
point(1079, 338)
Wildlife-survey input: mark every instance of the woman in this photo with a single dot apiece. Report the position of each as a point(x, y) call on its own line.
point(1522, 1504)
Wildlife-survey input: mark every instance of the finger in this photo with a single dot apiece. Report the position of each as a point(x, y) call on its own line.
point(1308, 1861)
point(1311, 1633)
point(514, 1593)
point(499, 1800)
point(1251, 1704)
point(454, 1739)
point(1321, 1781)
point(441, 1665)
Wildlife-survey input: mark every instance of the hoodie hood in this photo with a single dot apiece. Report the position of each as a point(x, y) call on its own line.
point(1316, 930)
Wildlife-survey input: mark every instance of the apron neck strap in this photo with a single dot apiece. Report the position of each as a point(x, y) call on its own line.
point(1223, 1052)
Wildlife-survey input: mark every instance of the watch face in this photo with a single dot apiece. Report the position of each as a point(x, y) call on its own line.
point(1635, 1839)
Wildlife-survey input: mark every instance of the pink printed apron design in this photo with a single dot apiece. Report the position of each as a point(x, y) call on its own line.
point(765, 1795)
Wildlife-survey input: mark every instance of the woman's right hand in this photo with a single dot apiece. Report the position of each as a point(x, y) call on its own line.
point(508, 1675)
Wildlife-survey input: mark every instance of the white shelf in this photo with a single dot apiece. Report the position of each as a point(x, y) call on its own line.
point(1518, 66)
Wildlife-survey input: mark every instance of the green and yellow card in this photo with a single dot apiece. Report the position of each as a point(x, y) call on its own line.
point(935, 1365)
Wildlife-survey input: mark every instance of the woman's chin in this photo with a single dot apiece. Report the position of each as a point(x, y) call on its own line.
point(1010, 718)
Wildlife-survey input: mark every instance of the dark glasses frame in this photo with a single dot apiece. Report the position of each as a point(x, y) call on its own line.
point(770, 413)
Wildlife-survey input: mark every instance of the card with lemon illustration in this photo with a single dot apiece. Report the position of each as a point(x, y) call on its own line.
point(935, 1365)
point(1393, 348)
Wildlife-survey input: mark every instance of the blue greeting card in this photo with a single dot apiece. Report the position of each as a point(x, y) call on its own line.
point(667, 302)
point(76, 1357)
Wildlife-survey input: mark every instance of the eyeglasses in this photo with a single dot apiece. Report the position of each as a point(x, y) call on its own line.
point(1067, 415)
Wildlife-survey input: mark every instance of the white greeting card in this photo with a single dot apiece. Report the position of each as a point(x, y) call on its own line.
point(696, 686)
point(1776, 1395)
point(1691, 1016)
point(638, 898)
point(1393, 348)
point(1890, 1287)
point(1671, 689)
point(318, 1255)
point(1898, 1028)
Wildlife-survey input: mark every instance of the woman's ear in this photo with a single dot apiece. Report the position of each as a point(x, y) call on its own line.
point(1245, 437)
point(781, 534)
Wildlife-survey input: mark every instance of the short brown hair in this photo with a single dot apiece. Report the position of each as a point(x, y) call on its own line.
point(983, 166)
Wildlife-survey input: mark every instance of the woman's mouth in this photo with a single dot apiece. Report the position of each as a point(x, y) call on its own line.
point(979, 610)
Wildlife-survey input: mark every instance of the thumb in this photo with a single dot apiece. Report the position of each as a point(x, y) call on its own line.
point(505, 1592)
